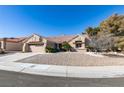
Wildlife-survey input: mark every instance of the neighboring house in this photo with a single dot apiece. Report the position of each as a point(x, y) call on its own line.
point(36, 43)
point(11, 44)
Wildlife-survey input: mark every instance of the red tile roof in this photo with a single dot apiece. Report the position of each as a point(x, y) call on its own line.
point(60, 39)
point(56, 39)
point(14, 40)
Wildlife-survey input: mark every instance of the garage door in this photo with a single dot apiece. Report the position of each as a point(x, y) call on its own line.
point(37, 48)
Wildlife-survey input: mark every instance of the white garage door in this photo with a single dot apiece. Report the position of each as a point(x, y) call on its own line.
point(36, 48)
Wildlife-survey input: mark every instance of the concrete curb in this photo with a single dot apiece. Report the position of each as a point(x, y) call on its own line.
point(65, 71)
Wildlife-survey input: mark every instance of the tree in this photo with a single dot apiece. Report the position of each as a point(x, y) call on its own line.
point(120, 43)
point(92, 31)
point(66, 46)
point(114, 24)
point(105, 36)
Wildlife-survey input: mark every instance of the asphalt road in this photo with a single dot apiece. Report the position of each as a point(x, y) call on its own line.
point(14, 79)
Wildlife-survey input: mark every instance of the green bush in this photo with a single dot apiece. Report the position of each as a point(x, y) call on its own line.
point(89, 48)
point(51, 50)
point(66, 46)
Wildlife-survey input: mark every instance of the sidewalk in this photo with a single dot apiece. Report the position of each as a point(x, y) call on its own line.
point(16, 56)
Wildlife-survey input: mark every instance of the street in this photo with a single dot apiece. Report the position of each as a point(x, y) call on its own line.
point(14, 79)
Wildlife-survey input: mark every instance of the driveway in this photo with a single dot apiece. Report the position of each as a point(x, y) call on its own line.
point(10, 57)
point(7, 53)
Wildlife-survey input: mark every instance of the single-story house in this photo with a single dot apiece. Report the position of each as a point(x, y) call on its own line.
point(37, 43)
point(11, 44)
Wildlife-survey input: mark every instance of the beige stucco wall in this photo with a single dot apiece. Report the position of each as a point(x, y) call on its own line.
point(35, 48)
point(10, 46)
point(79, 38)
point(2, 44)
point(41, 48)
point(33, 38)
point(38, 48)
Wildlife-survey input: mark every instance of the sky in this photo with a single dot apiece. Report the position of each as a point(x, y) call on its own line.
point(19, 21)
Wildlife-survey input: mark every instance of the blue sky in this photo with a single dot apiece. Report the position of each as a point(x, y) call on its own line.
point(52, 20)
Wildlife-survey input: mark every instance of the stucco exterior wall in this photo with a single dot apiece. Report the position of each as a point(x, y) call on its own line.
point(34, 38)
point(35, 48)
point(79, 38)
point(41, 48)
point(10, 46)
point(38, 48)
point(2, 44)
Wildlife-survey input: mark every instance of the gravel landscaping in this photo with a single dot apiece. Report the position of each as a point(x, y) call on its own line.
point(73, 59)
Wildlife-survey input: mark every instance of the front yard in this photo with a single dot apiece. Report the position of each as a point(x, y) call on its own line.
point(73, 59)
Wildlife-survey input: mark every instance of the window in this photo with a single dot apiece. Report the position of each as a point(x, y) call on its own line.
point(78, 44)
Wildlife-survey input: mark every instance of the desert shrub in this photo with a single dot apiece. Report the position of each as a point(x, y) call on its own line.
point(51, 50)
point(89, 48)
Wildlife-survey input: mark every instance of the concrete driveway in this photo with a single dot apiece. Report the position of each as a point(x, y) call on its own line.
point(10, 57)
